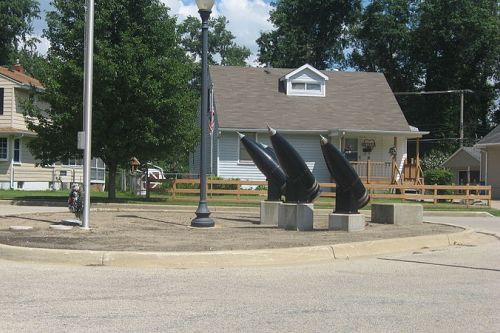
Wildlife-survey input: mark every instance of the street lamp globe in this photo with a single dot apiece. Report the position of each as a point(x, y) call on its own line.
point(205, 5)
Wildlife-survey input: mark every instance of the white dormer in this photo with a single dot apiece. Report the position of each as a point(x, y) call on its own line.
point(305, 81)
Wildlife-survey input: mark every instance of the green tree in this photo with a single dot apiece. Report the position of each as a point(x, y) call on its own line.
point(16, 17)
point(222, 49)
point(458, 48)
point(143, 104)
point(383, 43)
point(312, 31)
point(435, 45)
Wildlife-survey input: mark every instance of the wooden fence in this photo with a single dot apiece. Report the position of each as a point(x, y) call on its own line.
point(244, 191)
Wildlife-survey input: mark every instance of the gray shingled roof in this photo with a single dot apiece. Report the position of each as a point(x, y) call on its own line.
point(464, 157)
point(248, 98)
point(492, 137)
point(474, 152)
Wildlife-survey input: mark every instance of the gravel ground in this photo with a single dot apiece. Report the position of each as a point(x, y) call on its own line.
point(170, 231)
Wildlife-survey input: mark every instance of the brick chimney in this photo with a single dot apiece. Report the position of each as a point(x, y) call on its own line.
point(18, 67)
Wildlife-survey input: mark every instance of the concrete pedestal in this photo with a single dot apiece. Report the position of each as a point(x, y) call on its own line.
point(346, 222)
point(269, 212)
point(294, 216)
point(399, 214)
point(72, 222)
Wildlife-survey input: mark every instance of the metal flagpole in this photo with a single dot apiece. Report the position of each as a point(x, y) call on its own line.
point(87, 109)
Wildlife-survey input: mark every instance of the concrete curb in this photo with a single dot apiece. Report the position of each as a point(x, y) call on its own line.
point(213, 208)
point(226, 259)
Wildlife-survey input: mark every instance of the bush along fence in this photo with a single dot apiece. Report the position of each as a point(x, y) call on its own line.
point(235, 190)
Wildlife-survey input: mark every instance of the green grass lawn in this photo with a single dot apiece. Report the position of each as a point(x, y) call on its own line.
point(219, 200)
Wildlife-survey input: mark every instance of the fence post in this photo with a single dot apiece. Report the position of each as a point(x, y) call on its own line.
point(210, 191)
point(467, 192)
point(435, 194)
point(174, 188)
point(368, 171)
point(238, 187)
point(489, 196)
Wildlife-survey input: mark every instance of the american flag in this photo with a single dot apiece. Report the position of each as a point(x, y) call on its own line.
point(211, 111)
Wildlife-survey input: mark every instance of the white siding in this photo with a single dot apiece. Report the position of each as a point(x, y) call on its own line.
point(308, 147)
point(8, 102)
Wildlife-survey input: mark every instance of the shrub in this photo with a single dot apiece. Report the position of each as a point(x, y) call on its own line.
point(438, 176)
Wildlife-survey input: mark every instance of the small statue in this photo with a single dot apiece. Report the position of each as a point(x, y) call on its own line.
point(75, 201)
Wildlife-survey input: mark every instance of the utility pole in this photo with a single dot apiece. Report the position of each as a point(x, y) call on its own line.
point(87, 109)
point(461, 92)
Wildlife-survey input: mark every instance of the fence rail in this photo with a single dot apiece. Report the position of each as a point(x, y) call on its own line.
point(245, 191)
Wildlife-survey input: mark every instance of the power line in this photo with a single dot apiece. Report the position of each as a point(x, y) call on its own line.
point(435, 92)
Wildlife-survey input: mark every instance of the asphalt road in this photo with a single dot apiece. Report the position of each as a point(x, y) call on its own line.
point(456, 289)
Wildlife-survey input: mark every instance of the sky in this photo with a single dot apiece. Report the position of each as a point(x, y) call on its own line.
point(247, 19)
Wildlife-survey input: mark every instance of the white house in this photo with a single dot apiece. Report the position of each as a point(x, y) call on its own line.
point(18, 168)
point(490, 161)
point(357, 111)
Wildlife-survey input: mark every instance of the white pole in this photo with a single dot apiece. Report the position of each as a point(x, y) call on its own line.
point(87, 109)
point(462, 118)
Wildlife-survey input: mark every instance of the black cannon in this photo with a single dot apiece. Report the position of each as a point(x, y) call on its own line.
point(265, 159)
point(301, 185)
point(350, 192)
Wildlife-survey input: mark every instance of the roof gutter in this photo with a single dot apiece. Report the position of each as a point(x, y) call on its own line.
point(343, 131)
point(265, 130)
point(486, 145)
point(335, 132)
point(31, 87)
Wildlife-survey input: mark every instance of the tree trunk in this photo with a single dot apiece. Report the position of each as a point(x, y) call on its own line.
point(112, 182)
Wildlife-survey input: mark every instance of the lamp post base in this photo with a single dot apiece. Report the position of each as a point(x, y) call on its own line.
point(202, 219)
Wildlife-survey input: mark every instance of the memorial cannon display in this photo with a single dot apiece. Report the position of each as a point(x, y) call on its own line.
point(351, 194)
point(301, 185)
point(266, 161)
point(288, 176)
point(284, 168)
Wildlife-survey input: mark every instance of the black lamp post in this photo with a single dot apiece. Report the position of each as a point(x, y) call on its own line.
point(202, 213)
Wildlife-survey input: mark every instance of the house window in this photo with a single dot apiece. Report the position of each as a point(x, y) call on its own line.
point(313, 87)
point(74, 162)
point(351, 149)
point(305, 81)
point(1, 101)
point(244, 156)
point(298, 86)
point(17, 151)
point(307, 87)
point(4, 149)
point(97, 170)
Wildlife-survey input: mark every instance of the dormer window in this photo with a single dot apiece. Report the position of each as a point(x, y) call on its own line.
point(305, 81)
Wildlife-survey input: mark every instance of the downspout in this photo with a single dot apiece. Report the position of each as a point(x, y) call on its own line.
point(11, 162)
point(218, 152)
point(486, 168)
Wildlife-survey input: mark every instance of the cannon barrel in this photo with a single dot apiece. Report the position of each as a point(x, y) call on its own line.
point(351, 194)
point(301, 185)
point(266, 162)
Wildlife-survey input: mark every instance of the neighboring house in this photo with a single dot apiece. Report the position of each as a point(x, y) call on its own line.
point(356, 111)
point(465, 165)
point(18, 167)
point(490, 161)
